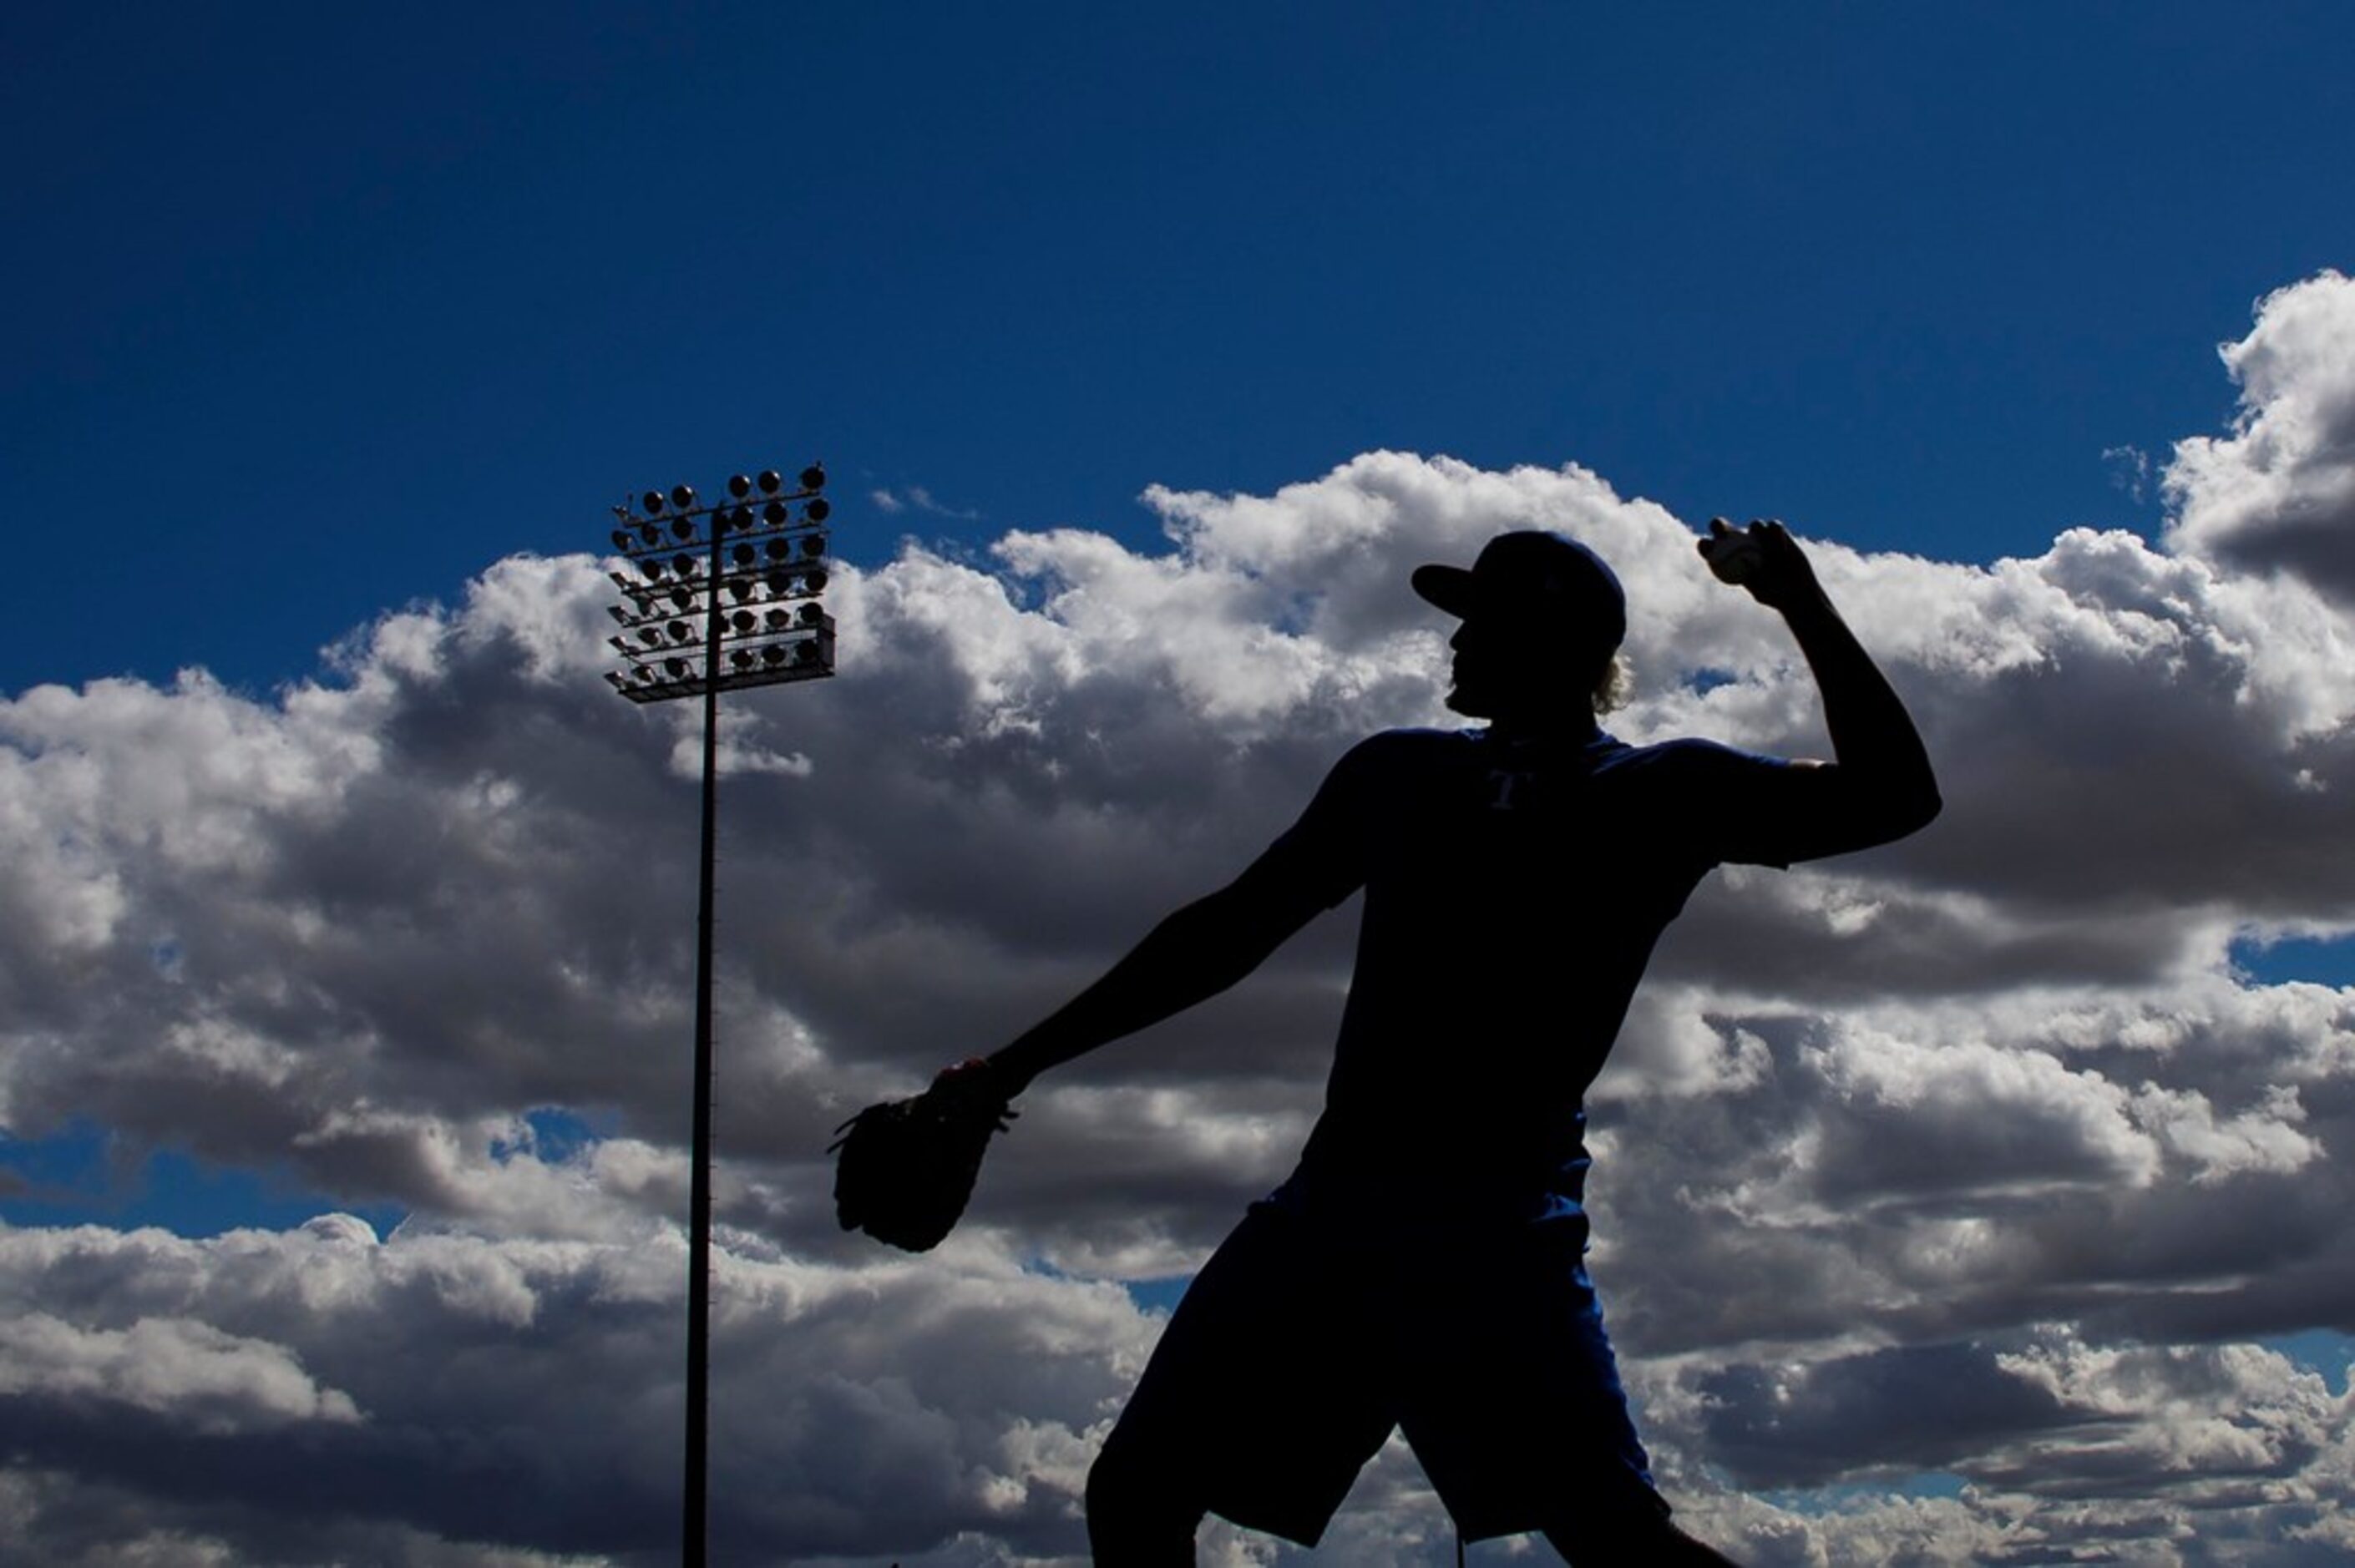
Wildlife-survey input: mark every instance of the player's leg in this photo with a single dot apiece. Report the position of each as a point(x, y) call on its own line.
point(1257, 1405)
point(1139, 1516)
point(1516, 1409)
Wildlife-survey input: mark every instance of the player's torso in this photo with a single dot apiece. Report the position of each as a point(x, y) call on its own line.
point(1513, 895)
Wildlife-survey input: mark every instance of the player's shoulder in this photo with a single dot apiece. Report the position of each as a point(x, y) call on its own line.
point(1389, 757)
point(1411, 745)
point(1691, 757)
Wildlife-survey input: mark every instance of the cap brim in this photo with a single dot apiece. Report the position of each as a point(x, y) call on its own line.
point(1449, 587)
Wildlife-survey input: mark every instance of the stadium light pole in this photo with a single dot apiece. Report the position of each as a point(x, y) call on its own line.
point(752, 566)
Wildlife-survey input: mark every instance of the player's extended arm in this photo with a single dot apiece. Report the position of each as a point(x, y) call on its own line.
point(1193, 955)
point(1882, 772)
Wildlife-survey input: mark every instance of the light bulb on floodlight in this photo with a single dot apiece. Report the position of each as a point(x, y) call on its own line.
point(676, 668)
point(624, 540)
point(771, 482)
point(780, 549)
point(819, 511)
point(653, 567)
point(813, 547)
point(650, 534)
point(814, 580)
point(741, 620)
point(775, 513)
point(739, 486)
point(777, 621)
point(682, 496)
point(679, 631)
point(775, 653)
point(812, 615)
point(743, 554)
point(682, 530)
point(653, 502)
point(813, 477)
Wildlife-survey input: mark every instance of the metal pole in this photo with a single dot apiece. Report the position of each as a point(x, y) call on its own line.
point(698, 1248)
point(773, 644)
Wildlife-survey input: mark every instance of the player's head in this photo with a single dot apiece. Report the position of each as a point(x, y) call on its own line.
point(1543, 618)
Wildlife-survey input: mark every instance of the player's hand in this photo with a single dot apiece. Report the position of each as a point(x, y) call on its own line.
point(1763, 559)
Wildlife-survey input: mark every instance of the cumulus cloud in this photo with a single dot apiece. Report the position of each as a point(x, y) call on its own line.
point(1985, 1122)
point(2278, 492)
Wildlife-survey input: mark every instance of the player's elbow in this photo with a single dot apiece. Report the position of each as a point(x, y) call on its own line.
point(1920, 807)
point(1221, 938)
point(1904, 810)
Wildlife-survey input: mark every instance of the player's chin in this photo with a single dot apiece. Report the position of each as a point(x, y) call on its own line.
point(1467, 701)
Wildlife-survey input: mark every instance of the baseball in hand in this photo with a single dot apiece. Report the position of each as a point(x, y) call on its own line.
point(1732, 556)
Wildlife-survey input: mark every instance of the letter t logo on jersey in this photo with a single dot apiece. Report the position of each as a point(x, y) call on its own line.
point(1503, 784)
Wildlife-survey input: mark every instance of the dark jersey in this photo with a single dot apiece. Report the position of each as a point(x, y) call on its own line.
point(1513, 892)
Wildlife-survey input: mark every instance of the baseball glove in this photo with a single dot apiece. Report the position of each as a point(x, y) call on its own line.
point(907, 1167)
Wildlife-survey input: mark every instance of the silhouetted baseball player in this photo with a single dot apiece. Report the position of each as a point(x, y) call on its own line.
point(1422, 1268)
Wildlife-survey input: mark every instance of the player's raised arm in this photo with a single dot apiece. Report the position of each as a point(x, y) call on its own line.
point(1879, 786)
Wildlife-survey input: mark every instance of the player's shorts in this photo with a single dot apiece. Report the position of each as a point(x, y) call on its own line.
point(1294, 1352)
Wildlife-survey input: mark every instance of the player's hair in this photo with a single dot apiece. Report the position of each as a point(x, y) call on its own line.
point(1613, 686)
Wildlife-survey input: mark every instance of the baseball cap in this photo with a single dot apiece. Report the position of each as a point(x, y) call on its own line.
point(1536, 577)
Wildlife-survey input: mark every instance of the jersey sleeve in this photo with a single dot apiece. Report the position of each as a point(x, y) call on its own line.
point(1744, 808)
point(1323, 857)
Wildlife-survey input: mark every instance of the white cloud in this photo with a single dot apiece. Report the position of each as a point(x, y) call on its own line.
point(2279, 492)
point(1984, 1114)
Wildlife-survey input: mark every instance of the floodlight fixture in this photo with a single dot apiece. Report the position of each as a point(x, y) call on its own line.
point(751, 551)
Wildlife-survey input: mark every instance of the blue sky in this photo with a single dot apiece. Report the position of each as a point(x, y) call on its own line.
point(315, 312)
point(318, 318)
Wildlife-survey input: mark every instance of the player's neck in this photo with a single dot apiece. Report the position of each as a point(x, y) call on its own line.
point(1575, 726)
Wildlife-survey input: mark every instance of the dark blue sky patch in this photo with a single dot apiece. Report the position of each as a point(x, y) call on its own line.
point(83, 1175)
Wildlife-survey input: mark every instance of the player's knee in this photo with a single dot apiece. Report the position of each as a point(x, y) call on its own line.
point(1136, 1518)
